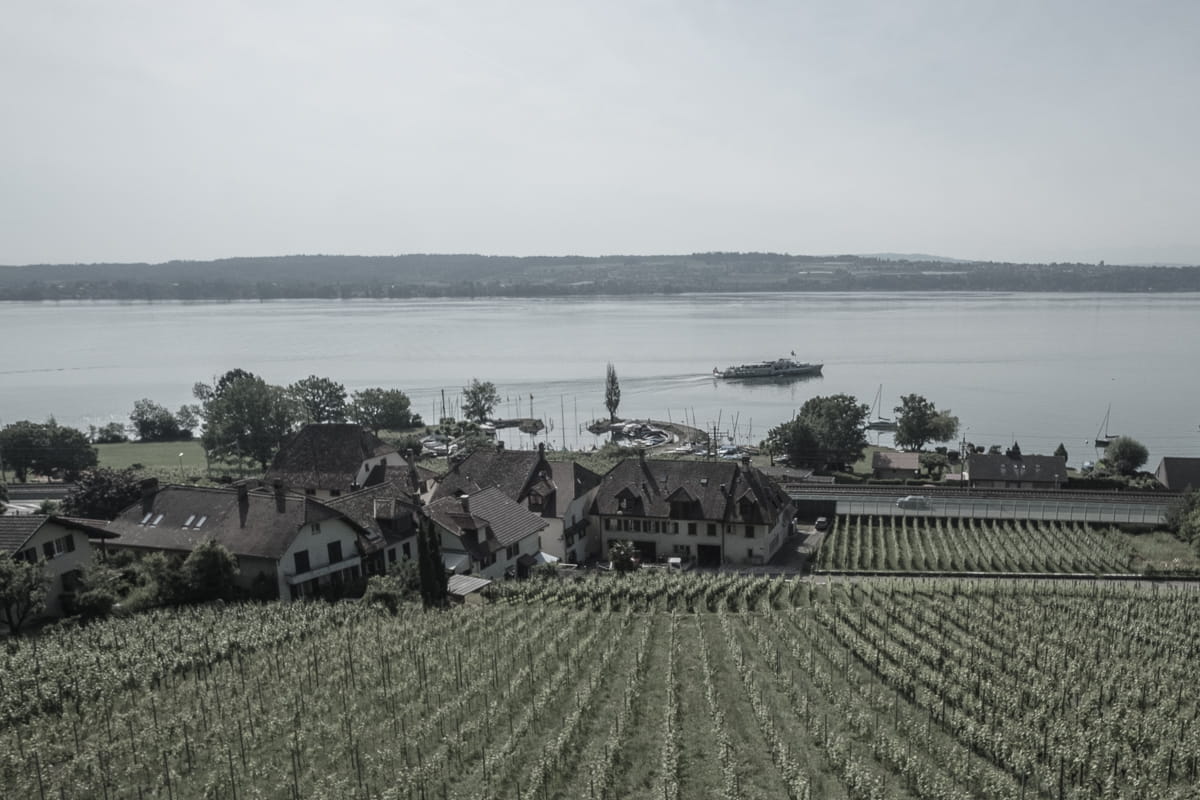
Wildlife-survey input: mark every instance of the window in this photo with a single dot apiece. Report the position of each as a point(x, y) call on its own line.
point(301, 561)
point(157, 520)
point(712, 529)
point(316, 528)
point(335, 552)
point(674, 527)
point(488, 560)
point(407, 550)
point(749, 531)
point(512, 551)
point(335, 492)
point(607, 523)
point(188, 521)
point(691, 529)
point(310, 491)
point(391, 555)
point(146, 518)
point(201, 521)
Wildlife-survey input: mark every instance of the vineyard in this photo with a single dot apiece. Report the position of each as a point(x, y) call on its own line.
point(646, 686)
point(936, 544)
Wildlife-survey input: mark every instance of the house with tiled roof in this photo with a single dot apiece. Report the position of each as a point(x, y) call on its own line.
point(486, 533)
point(60, 543)
point(287, 545)
point(388, 511)
point(558, 491)
point(329, 459)
point(707, 512)
point(888, 465)
point(1015, 471)
point(1178, 474)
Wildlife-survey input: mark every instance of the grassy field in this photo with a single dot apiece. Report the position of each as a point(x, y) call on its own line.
point(645, 687)
point(155, 456)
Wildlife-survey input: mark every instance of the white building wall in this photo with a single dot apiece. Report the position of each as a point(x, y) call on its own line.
point(738, 548)
point(315, 538)
point(62, 562)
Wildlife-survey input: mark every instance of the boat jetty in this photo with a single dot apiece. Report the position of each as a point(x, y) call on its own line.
point(779, 368)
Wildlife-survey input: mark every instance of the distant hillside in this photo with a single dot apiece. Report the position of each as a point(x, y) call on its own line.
point(427, 275)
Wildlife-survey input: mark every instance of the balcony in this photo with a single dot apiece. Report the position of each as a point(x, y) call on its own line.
point(294, 578)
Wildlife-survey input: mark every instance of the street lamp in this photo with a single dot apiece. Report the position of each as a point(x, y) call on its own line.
point(181, 468)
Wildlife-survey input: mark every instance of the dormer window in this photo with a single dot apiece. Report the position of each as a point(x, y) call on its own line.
point(146, 518)
point(188, 522)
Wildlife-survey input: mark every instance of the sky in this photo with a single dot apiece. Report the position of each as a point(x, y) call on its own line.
point(1013, 130)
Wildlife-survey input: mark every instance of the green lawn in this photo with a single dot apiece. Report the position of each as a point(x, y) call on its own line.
point(155, 456)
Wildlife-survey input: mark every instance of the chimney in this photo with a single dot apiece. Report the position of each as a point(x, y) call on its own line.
point(280, 497)
point(149, 489)
point(541, 448)
point(466, 502)
point(243, 503)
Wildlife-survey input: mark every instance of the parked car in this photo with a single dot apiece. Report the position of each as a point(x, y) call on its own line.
point(821, 524)
point(915, 502)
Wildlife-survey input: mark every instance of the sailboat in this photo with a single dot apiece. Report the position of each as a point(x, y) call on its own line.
point(1103, 437)
point(879, 422)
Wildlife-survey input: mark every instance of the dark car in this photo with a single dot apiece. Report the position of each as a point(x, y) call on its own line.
point(822, 524)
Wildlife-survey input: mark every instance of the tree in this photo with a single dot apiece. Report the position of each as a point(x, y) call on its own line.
point(934, 463)
point(99, 590)
point(479, 398)
point(838, 423)
point(248, 418)
point(154, 423)
point(1126, 455)
point(383, 409)
point(112, 433)
point(612, 392)
point(21, 444)
point(433, 581)
point(47, 449)
point(320, 399)
point(1061, 452)
point(623, 555)
point(69, 453)
point(797, 441)
point(23, 588)
point(1183, 517)
point(208, 573)
point(919, 422)
point(103, 493)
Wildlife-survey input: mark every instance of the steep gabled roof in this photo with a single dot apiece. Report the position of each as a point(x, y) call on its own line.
point(327, 456)
point(15, 531)
point(488, 510)
point(386, 511)
point(256, 524)
point(508, 470)
point(1001, 467)
point(1179, 474)
point(715, 485)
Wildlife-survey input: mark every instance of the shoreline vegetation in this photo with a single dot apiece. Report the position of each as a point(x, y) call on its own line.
point(412, 276)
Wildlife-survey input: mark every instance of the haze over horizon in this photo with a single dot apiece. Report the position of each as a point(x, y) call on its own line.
point(1023, 131)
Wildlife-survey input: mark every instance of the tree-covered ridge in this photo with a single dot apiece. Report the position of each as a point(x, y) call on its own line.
point(430, 275)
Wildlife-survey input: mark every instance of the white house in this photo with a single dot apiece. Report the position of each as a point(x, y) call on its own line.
point(486, 534)
point(61, 543)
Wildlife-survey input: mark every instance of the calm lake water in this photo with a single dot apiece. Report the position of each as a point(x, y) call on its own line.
point(1038, 368)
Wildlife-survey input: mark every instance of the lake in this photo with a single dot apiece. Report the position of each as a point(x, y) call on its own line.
point(1037, 368)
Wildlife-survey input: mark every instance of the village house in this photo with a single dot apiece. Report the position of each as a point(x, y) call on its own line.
point(61, 543)
point(1178, 474)
point(1016, 471)
point(895, 466)
point(707, 512)
point(487, 534)
point(330, 459)
point(287, 545)
point(560, 492)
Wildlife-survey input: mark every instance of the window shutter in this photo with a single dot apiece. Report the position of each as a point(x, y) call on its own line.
point(48, 549)
point(71, 543)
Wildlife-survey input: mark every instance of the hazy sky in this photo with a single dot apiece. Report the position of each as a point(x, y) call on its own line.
point(1048, 131)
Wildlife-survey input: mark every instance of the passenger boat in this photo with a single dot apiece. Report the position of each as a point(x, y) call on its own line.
point(779, 368)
